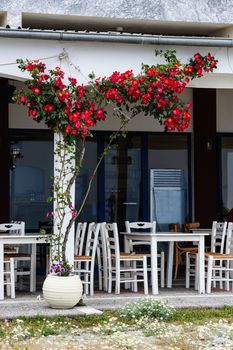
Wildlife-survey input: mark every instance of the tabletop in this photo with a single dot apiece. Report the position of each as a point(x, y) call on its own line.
point(23, 239)
point(167, 233)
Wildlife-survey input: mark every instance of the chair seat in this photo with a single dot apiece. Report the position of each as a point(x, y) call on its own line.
point(219, 255)
point(82, 257)
point(188, 249)
point(18, 255)
point(129, 256)
point(6, 258)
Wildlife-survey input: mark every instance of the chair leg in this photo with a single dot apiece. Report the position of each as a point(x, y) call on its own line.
point(105, 276)
point(176, 263)
point(100, 276)
point(209, 274)
point(220, 276)
point(196, 286)
point(32, 276)
point(91, 284)
point(8, 278)
point(134, 283)
point(145, 275)
point(100, 279)
point(110, 281)
point(86, 279)
point(227, 283)
point(162, 269)
point(214, 275)
point(187, 271)
point(12, 274)
point(117, 286)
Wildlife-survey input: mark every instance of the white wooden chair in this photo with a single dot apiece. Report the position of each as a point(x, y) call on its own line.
point(220, 265)
point(102, 262)
point(117, 270)
point(9, 276)
point(84, 264)
point(18, 228)
point(79, 241)
point(218, 236)
point(140, 226)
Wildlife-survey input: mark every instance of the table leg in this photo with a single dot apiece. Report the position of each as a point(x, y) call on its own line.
point(201, 265)
point(154, 265)
point(170, 264)
point(33, 269)
point(1, 271)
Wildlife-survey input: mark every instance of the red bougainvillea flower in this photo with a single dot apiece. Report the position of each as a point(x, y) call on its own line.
point(74, 110)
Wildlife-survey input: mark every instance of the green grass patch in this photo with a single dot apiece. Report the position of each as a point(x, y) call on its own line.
point(45, 326)
point(29, 327)
point(200, 315)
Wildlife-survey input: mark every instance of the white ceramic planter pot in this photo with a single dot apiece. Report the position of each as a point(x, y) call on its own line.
point(62, 292)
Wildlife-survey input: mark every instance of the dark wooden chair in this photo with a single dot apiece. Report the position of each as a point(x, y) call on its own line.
point(179, 249)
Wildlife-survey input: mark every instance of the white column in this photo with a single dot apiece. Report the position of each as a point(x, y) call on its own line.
point(57, 169)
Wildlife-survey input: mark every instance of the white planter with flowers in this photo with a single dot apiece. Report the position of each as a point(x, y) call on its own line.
point(62, 292)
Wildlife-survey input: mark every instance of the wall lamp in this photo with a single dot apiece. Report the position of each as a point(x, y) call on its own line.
point(15, 153)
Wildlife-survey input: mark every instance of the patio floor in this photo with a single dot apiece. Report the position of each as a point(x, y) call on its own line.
point(32, 304)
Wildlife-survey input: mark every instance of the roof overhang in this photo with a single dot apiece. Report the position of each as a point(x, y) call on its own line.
point(108, 52)
point(129, 25)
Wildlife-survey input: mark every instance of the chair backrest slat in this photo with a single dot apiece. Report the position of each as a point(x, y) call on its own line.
point(229, 239)
point(218, 236)
point(139, 226)
point(17, 228)
point(110, 232)
point(190, 226)
point(92, 239)
point(80, 238)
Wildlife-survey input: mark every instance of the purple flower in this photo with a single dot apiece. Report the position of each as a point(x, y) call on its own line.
point(61, 268)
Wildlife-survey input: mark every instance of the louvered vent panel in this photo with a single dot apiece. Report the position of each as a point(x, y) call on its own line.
point(167, 197)
point(167, 178)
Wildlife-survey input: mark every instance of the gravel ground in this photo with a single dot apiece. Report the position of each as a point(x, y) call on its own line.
point(115, 335)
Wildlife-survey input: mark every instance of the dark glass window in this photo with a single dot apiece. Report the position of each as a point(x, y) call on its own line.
point(30, 177)
point(89, 211)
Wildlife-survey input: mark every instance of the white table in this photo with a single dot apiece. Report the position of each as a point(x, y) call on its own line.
point(170, 237)
point(31, 239)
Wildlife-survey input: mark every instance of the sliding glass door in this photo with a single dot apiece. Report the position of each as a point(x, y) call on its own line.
point(121, 189)
point(122, 173)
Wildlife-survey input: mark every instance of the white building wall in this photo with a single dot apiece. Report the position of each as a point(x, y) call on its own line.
point(104, 58)
point(225, 110)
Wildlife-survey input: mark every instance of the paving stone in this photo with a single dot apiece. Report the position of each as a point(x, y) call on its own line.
point(33, 304)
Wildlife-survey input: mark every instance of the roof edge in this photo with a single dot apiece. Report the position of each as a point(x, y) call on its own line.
point(126, 38)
